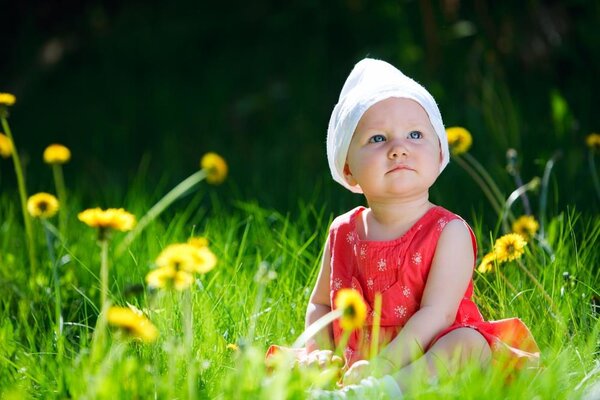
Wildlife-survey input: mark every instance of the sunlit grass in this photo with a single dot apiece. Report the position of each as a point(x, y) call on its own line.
point(174, 319)
point(236, 303)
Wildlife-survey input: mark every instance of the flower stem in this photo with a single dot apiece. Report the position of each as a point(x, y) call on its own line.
point(188, 326)
point(316, 326)
point(23, 197)
point(59, 182)
point(484, 187)
point(159, 207)
point(376, 326)
point(98, 346)
point(532, 184)
point(523, 196)
point(57, 300)
point(340, 349)
point(58, 319)
point(103, 272)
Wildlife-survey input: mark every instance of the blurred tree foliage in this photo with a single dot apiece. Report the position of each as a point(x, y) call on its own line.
point(150, 86)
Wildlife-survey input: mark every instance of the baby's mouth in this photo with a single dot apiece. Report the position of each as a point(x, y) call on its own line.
point(400, 167)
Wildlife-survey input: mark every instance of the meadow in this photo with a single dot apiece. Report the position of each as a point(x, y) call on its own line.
point(202, 333)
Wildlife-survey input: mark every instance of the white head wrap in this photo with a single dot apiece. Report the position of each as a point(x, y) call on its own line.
point(369, 82)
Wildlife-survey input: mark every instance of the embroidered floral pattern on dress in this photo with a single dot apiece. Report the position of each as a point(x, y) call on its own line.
point(370, 283)
point(350, 237)
point(441, 223)
point(367, 264)
point(417, 258)
point(337, 283)
point(363, 252)
point(405, 291)
point(400, 311)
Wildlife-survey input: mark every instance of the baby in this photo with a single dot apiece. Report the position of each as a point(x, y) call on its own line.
point(386, 140)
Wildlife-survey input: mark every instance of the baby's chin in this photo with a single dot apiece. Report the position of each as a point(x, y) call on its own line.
point(397, 195)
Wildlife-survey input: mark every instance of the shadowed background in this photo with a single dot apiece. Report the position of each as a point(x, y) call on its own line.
point(145, 88)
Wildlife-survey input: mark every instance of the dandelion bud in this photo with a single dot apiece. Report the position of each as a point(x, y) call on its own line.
point(7, 99)
point(535, 183)
point(6, 147)
point(215, 167)
point(57, 154)
point(593, 141)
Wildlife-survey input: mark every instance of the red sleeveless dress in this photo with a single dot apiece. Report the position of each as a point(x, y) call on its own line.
point(398, 269)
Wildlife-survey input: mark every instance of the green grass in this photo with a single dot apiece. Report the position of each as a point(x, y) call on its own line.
point(238, 302)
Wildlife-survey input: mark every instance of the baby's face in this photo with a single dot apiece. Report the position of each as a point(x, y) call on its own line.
point(394, 150)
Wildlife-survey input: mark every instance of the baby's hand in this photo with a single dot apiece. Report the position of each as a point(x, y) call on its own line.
point(357, 372)
point(322, 359)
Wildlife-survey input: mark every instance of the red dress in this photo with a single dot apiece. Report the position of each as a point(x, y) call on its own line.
point(398, 269)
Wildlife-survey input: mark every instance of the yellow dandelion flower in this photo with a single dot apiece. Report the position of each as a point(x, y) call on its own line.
point(215, 166)
point(509, 247)
point(204, 259)
point(593, 141)
point(169, 277)
point(177, 257)
point(132, 323)
point(7, 99)
point(354, 309)
point(57, 154)
point(526, 226)
point(6, 146)
point(187, 257)
point(42, 205)
point(198, 242)
point(233, 347)
point(487, 263)
point(459, 140)
point(113, 218)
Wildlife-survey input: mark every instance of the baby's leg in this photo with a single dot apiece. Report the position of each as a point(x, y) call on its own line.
point(447, 355)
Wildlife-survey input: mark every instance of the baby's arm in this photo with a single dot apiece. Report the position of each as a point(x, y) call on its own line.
point(448, 279)
point(319, 305)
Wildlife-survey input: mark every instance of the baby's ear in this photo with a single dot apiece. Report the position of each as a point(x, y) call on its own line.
point(348, 175)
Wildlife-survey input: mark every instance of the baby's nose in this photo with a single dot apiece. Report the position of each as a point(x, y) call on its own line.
point(398, 150)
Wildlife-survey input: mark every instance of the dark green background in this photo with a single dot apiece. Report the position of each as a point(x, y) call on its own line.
point(150, 86)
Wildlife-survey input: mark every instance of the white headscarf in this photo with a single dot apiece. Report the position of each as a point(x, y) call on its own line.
point(369, 82)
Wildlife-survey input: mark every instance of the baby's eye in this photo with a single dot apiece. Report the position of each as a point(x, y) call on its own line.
point(377, 139)
point(415, 135)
